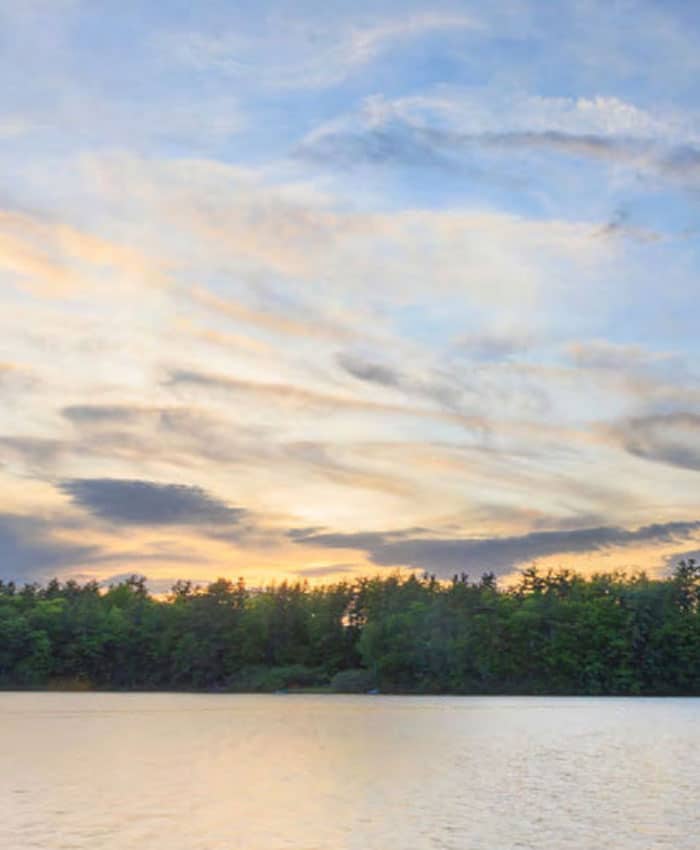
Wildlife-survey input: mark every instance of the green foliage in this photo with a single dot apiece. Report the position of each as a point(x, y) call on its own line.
point(355, 681)
point(555, 633)
point(271, 679)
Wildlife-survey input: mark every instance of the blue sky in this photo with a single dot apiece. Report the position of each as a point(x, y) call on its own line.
point(318, 289)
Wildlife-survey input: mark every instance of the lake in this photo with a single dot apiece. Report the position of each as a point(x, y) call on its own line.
point(95, 771)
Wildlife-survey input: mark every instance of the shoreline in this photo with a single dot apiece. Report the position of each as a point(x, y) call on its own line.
point(327, 692)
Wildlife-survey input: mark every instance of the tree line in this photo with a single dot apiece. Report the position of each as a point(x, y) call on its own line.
point(548, 633)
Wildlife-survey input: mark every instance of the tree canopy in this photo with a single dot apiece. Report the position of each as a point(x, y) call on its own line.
point(549, 633)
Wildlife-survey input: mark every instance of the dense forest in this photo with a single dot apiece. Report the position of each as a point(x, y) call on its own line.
point(553, 633)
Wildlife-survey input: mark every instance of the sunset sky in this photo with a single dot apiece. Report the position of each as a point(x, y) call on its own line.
point(324, 289)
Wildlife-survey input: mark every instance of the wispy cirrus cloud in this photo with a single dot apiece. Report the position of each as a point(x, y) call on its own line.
point(606, 354)
point(293, 237)
point(302, 397)
point(274, 322)
point(53, 258)
point(310, 56)
point(447, 129)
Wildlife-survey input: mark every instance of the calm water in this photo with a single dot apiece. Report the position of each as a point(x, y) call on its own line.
point(183, 772)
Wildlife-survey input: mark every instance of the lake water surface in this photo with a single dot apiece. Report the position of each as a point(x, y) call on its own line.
point(218, 772)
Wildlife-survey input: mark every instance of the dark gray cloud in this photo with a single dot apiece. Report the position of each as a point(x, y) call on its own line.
point(498, 554)
point(301, 533)
point(580, 145)
point(411, 145)
point(135, 502)
point(437, 387)
point(97, 414)
point(30, 549)
point(671, 438)
point(360, 540)
point(35, 452)
point(366, 370)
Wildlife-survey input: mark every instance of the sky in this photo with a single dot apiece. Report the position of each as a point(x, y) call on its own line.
point(321, 289)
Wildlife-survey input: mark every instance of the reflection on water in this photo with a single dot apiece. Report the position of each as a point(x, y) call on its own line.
point(215, 772)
